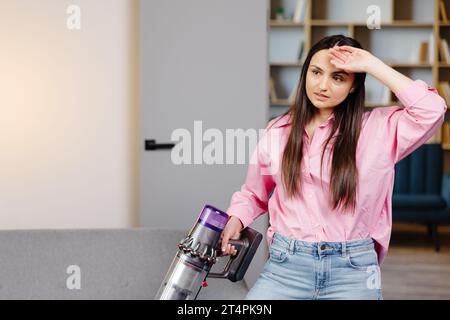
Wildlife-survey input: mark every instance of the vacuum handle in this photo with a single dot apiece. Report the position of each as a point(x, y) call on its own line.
point(246, 248)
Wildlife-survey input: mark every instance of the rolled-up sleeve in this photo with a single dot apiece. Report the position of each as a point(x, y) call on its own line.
point(406, 128)
point(252, 199)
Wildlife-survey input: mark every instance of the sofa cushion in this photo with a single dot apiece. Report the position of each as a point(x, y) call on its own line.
point(94, 264)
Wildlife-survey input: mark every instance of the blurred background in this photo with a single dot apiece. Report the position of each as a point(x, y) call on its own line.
point(86, 85)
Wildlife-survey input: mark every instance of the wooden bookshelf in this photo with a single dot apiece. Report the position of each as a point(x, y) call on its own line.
point(397, 24)
point(404, 25)
point(281, 102)
point(394, 65)
point(285, 102)
point(286, 64)
point(287, 23)
point(410, 65)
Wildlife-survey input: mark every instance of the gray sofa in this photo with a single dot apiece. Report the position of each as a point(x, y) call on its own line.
point(95, 264)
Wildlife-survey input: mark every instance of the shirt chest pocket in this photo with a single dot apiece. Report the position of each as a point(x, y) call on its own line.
point(315, 163)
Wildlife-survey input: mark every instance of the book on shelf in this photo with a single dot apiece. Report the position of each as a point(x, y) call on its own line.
point(444, 51)
point(431, 49)
point(423, 52)
point(273, 92)
point(299, 12)
point(444, 90)
point(439, 135)
point(436, 138)
point(443, 11)
point(293, 93)
point(445, 133)
point(301, 49)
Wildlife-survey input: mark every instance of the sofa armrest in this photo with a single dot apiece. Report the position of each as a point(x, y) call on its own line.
point(446, 188)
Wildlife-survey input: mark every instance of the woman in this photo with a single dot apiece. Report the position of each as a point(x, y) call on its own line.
point(330, 210)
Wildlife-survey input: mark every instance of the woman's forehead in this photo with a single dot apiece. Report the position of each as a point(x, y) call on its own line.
point(321, 60)
point(330, 70)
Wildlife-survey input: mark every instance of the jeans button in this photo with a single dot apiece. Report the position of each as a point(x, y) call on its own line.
point(323, 247)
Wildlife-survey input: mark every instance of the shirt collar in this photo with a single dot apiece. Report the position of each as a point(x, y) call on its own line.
point(282, 121)
point(329, 119)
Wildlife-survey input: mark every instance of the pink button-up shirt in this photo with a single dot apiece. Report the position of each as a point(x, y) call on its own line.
point(388, 135)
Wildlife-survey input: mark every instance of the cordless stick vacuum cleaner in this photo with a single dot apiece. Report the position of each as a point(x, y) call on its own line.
point(198, 252)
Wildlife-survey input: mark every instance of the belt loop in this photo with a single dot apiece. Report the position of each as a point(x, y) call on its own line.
point(292, 246)
point(344, 249)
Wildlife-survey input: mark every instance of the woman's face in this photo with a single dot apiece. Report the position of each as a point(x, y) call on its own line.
point(324, 78)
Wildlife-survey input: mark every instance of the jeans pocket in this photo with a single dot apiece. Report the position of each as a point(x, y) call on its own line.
point(362, 260)
point(277, 255)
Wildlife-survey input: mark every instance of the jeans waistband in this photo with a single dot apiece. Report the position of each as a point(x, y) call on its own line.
point(322, 247)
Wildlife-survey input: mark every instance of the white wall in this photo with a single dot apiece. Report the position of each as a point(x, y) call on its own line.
point(68, 115)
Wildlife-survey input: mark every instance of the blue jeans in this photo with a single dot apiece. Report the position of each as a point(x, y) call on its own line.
point(319, 270)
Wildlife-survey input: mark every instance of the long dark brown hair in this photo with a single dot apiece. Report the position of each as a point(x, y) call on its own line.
point(344, 133)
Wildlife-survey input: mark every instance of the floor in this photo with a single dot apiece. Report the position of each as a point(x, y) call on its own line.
point(412, 269)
